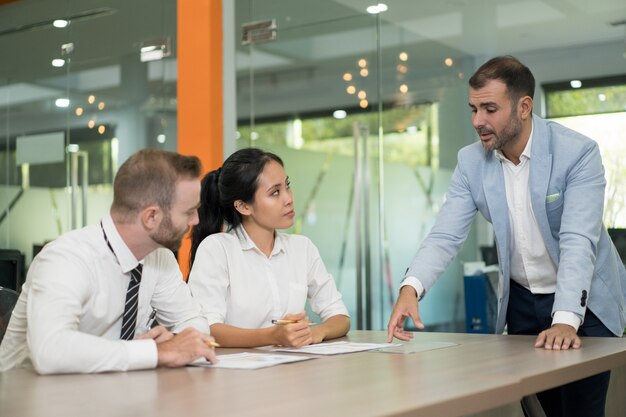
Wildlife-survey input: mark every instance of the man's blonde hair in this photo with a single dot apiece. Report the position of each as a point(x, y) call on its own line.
point(148, 178)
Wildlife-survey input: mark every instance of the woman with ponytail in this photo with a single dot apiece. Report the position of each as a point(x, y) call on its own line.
point(252, 280)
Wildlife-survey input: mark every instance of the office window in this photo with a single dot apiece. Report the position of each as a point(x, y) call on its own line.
point(597, 108)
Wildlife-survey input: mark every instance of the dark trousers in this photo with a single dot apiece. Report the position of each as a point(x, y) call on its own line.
point(530, 314)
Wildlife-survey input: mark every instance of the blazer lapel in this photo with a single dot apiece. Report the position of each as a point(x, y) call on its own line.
point(495, 195)
point(539, 179)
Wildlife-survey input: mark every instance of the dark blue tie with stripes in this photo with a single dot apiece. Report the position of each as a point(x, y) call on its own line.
point(129, 318)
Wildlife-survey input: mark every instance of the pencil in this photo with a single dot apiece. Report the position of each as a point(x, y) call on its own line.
point(212, 344)
point(284, 321)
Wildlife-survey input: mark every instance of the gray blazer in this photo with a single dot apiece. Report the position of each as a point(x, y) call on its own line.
point(567, 192)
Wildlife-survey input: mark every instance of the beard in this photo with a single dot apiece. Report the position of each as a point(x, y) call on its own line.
point(510, 134)
point(168, 236)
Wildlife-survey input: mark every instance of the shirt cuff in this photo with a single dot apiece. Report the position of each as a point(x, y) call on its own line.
point(142, 354)
point(417, 286)
point(566, 317)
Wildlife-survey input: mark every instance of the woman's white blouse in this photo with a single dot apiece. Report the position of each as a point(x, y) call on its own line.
point(239, 286)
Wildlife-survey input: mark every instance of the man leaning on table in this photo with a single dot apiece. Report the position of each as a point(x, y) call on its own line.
point(541, 185)
point(91, 294)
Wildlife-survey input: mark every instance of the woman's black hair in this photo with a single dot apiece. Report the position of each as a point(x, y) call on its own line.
point(237, 179)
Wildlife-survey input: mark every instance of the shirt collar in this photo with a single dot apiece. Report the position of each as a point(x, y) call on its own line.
point(525, 154)
point(248, 244)
point(124, 256)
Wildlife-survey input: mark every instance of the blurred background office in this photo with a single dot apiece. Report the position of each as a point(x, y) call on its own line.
point(366, 102)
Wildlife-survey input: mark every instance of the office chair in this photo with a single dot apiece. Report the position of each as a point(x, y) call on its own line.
point(8, 299)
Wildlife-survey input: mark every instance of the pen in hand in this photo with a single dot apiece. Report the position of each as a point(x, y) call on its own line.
point(151, 320)
point(212, 344)
point(282, 322)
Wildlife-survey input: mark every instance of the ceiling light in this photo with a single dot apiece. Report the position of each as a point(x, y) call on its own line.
point(91, 124)
point(79, 111)
point(340, 114)
point(351, 89)
point(363, 103)
point(58, 62)
point(362, 63)
point(161, 138)
point(347, 76)
point(60, 23)
point(576, 83)
point(403, 56)
point(91, 99)
point(448, 62)
point(155, 49)
point(364, 72)
point(101, 129)
point(362, 94)
point(101, 105)
point(602, 97)
point(404, 88)
point(62, 102)
point(377, 8)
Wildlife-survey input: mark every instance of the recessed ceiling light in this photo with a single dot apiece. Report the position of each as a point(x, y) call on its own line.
point(340, 114)
point(60, 23)
point(58, 62)
point(62, 102)
point(377, 8)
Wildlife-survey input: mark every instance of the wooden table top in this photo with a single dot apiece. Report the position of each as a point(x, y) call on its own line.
point(480, 373)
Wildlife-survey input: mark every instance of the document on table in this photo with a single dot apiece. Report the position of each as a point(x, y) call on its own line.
point(248, 360)
point(417, 347)
point(335, 348)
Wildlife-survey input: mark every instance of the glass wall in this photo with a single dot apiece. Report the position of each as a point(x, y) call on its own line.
point(77, 97)
point(368, 111)
point(336, 73)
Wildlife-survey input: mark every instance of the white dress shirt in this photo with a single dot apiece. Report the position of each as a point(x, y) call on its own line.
point(238, 285)
point(69, 315)
point(531, 265)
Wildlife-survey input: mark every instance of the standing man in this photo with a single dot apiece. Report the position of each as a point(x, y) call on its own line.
point(92, 294)
point(541, 185)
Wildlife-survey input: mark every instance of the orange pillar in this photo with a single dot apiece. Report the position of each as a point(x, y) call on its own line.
point(200, 105)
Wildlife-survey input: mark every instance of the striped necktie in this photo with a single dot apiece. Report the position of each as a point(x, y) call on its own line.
point(129, 318)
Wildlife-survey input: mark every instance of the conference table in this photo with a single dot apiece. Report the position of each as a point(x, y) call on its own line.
point(480, 372)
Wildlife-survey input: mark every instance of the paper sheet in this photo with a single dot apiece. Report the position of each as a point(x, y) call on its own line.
point(418, 347)
point(335, 348)
point(248, 360)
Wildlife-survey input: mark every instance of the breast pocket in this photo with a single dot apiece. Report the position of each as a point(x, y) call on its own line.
point(554, 209)
point(297, 298)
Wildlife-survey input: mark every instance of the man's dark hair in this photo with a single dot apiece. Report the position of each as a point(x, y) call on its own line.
point(517, 77)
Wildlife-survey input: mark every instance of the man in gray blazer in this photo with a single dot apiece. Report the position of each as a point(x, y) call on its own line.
point(542, 187)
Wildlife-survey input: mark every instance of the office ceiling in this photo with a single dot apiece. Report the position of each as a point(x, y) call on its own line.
point(317, 40)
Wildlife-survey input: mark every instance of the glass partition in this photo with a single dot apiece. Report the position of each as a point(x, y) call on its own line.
point(337, 98)
point(83, 85)
point(401, 74)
